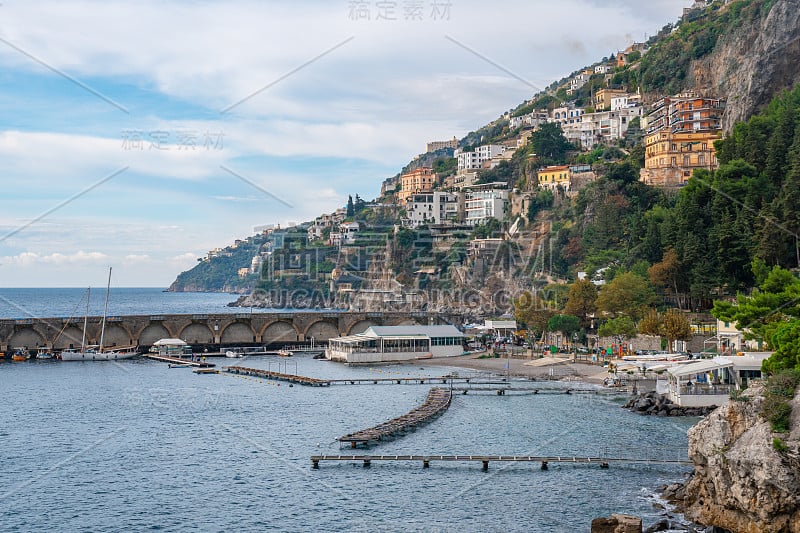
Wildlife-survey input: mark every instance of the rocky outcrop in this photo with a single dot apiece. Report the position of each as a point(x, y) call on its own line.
point(617, 523)
point(753, 63)
point(740, 482)
point(656, 404)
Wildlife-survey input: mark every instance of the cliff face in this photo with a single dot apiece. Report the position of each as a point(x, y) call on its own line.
point(740, 482)
point(753, 63)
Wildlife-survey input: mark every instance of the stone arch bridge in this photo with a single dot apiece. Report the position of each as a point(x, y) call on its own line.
point(221, 330)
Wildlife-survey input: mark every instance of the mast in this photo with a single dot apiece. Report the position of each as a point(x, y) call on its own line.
point(105, 312)
point(86, 319)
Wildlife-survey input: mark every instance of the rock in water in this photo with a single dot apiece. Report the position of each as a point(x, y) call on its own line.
point(617, 523)
point(741, 483)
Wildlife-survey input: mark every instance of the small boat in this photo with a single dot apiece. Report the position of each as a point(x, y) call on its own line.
point(233, 355)
point(180, 365)
point(205, 371)
point(285, 353)
point(44, 353)
point(20, 355)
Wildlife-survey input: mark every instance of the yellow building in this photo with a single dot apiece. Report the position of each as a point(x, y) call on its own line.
point(602, 98)
point(414, 182)
point(552, 177)
point(680, 137)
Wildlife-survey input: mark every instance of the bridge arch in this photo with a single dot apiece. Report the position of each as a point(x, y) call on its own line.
point(279, 331)
point(197, 333)
point(27, 337)
point(117, 334)
point(360, 326)
point(153, 332)
point(322, 330)
point(236, 333)
point(70, 338)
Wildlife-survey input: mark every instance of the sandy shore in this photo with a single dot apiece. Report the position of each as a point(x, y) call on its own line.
point(544, 368)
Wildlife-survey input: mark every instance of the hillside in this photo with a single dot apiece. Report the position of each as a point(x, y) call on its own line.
point(692, 247)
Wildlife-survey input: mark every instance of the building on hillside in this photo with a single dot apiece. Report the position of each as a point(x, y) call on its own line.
point(602, 98)
point(416, 181)
point(475, 159)
point(680, 134)
point(396, 343)
point(484, 202)
point(578, 81)
point(601, 127)
point(555, 176)
point(345, 235)
point(484, 248)
point(531, 120)
point(243, 272)
point(566, 115)
point(435, 207)
point(602, 69)
point(438, 145)
point(460, 180)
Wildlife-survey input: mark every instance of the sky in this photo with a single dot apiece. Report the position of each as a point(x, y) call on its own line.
point(140, 135)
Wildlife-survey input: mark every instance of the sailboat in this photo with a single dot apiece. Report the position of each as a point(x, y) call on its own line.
point(96, 353)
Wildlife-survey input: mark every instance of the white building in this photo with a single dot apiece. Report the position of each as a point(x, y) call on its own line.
point(396, 343)
point(602, 69)
point(474, 160)
point(484, 202)
point(566, 115)
point(600, 127)
point(710, 381)
point(431, 208)
point(346, 234)
point(578, 81)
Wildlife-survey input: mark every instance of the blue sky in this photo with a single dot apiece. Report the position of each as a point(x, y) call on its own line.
point(331, 104)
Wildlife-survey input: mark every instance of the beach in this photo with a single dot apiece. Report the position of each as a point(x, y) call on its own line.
point(547, 367)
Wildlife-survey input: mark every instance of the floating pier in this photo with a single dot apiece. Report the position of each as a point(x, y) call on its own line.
point(437, 401)
point(544, 461)
point(179, 361)
point(278, 376)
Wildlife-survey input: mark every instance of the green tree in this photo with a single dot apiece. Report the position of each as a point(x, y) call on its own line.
point(619, 328)
point(582, 300)
point(532, 312)
point(767, 314)
point(550, 145)
point(565, 324)
point(350, 207)
point(676, 327)
point(626, 295)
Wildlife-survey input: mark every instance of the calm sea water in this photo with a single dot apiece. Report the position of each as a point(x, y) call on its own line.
point(29, 303)
point(137, 446)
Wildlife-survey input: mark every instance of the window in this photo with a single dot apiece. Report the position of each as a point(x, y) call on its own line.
point(701, 159)
point(673, 161)
point(704, 146)
point(687, 160)
point(674, 147)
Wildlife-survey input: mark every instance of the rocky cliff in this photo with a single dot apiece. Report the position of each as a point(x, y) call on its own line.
point(752, 63)
point(741, 483)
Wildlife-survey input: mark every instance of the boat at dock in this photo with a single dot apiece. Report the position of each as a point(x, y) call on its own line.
point(20, 354)
point(96, 352)
point(233, 355)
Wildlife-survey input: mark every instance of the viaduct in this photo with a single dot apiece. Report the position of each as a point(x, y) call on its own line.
point(204, 330)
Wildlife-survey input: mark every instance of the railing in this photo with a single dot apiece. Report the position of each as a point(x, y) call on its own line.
point(705, 390)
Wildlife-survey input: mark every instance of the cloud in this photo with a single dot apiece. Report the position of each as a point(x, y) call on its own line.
point(32, 258)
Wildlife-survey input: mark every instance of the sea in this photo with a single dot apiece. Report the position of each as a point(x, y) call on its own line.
point(135, 445)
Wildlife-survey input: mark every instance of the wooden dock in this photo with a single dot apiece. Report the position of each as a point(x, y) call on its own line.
point(179, 361)
point(437, 401)
point(544, 461)
point(277, 376)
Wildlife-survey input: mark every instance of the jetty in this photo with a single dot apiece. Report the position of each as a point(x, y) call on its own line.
point(544, 461)
point(277, 376)
point(438, 401)
point(179, 361)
